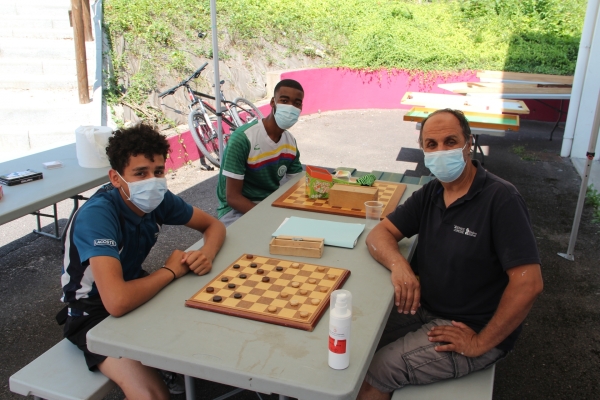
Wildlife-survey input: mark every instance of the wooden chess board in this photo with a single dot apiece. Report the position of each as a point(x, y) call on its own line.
point(389, 194)
point(276, 301)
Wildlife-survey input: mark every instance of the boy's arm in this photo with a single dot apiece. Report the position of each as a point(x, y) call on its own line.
point(200, 261)
point(120, 297)
point(235, 198)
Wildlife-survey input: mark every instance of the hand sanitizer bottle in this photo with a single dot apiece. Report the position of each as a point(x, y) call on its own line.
point(340, 317)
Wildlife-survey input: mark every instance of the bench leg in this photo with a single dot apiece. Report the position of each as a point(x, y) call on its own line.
point(190, 388)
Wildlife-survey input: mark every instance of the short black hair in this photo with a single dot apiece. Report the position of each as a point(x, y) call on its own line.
point(288, 83)
point(138, 139)
point(464, 124)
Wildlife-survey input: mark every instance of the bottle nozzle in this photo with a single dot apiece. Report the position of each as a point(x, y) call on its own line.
point(341, 302)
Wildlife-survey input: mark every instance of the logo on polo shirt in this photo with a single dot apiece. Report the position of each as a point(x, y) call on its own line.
point(281, 170)
point(464, 231)
point(105, 242)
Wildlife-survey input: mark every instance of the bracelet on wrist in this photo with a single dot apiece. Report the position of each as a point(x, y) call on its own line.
point(170, 270)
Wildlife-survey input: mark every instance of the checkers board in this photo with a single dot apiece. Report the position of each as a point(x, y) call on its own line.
point(251, 297)
point(389, 194)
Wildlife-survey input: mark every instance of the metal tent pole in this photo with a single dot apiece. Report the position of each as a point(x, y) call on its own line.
point(215, 45)
point(580, 70)
point(584, 182)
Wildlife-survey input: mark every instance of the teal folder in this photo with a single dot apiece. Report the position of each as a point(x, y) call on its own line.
point(338, 234)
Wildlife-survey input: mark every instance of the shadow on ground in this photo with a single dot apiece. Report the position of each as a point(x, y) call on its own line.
point(557, 356)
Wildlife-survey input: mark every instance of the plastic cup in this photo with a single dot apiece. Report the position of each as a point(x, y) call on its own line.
point(373, 210)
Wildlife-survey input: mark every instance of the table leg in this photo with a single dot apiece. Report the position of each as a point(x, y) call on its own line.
point(476, 146)
point(54, 216)
point(190, 388)
point(560, 113)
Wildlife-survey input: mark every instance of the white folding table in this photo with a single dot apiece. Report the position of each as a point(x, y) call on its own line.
point(252, 355)
point(57, 185)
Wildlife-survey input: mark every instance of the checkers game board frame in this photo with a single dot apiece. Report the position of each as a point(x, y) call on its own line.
point(303, 203)
point(269, 293)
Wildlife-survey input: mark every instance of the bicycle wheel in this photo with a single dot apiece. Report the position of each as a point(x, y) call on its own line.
point(244, 111)
point(205, 136)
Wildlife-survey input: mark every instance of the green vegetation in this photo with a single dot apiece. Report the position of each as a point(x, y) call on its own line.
point(536, 36)
point(592, 198)
point(524, 154)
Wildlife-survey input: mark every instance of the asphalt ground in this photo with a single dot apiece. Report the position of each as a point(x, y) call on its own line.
point(558, 353)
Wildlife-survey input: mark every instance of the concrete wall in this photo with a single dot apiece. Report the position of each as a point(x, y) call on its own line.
point(329, 89)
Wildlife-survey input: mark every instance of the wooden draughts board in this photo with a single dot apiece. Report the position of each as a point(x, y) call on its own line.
point(254, 296)
point(389, 194)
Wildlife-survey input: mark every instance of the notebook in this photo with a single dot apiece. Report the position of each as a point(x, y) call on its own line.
point(338, 234)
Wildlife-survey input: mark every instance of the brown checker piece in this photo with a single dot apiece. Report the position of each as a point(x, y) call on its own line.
point(389, 194)
point(257, 295)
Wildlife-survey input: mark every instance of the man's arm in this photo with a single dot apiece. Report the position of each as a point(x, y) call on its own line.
point(120, 297)
point(382, 243)
point(235, 198)
point(524, 285)
point(200, 261)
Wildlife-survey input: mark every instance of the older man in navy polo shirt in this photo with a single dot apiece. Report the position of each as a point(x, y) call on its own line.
point(477, 263)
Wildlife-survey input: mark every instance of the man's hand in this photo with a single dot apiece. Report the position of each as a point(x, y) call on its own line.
point(197, 262)
point(459, 338)
point(407, 290)
point(175, 264)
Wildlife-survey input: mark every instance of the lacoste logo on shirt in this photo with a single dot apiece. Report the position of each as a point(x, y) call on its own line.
point(105, 242)
point(256, 147)
point(464, 231)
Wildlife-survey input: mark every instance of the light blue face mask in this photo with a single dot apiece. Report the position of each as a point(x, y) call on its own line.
point(147, 194)
point(446, 165)
point(286, 115)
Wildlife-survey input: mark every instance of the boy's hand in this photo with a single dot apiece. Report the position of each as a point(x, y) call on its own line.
point(174, 263)
point(197, 262)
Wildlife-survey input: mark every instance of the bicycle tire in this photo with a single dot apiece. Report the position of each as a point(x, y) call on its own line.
point(244, 111)
point(204, 138)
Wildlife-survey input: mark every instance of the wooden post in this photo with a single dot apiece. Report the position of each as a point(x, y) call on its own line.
point(87, 21)
point(80, 57)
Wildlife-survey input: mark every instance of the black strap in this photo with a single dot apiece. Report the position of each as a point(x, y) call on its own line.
point(62, 315)
point(81, 306)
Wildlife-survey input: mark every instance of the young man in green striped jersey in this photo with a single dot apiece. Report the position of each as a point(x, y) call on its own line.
point(260, 154)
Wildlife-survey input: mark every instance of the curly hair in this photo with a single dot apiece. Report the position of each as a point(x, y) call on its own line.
point(139, 139)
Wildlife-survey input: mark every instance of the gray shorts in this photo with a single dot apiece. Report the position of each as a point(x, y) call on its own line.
point(232, 216)
point(405, 356)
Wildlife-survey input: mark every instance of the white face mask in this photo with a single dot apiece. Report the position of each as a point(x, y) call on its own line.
point(446, 165)
point(147, 194)
point(286, 115)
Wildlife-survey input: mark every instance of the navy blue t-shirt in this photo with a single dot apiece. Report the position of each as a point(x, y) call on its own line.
point(106, 226)
point(465, 250)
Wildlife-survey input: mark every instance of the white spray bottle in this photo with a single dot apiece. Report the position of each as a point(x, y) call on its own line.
point(340, 318)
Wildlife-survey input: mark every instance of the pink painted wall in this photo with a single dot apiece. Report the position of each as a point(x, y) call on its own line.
point(343, 89)
point(328, 89)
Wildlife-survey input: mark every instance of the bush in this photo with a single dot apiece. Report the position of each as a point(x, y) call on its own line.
point(537, 36)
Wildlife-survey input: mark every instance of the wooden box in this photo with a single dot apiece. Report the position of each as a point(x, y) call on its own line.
point(297, 246)
point(349, 196)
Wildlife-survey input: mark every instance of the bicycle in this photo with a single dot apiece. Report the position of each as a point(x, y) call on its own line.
point(234, 114)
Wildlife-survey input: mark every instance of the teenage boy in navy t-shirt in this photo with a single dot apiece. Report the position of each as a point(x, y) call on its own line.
point(108, 241)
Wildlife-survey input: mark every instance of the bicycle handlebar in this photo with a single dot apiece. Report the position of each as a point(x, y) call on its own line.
point(196, 74)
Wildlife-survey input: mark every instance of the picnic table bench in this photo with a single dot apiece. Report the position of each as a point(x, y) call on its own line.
point(60, 374)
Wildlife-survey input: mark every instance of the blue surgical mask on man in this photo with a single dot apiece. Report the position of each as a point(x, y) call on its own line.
point(286, 115)
point(446, 165)
point(147, 194)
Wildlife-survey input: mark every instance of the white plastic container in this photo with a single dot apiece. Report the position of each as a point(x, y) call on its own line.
point(340, 318)
point(90, 144)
